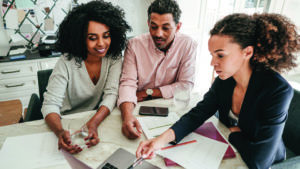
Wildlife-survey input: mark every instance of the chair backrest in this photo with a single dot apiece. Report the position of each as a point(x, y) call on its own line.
point(291, 133)
point(34, 109)
point(35, 103)
point(43, 78)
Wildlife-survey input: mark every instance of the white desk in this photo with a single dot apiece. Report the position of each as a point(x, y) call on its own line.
point(111, 137)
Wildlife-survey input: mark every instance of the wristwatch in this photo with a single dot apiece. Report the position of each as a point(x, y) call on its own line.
point(149, 92)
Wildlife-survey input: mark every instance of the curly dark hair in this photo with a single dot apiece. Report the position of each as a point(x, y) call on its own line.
point(273, 37)
point(72, 33)
point(164, 7)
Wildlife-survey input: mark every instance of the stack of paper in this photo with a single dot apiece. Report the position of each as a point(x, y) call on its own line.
point(209, 130)
point(31, 151)
point(205, 153)
point(154, 126)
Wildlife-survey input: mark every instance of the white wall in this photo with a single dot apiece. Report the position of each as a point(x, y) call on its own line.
point(135, 13)
point(291, 10)
point(199, 16)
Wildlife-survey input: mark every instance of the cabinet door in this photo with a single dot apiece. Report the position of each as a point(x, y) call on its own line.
point(10, 88)
point(18, 69)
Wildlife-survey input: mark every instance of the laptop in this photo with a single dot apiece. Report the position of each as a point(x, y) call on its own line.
point(120, 159)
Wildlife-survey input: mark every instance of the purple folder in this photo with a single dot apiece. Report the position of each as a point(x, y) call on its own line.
point(210, 131)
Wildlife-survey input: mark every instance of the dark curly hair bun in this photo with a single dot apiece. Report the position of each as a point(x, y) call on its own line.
point(72, 33)
point(276, 42)
point(273, 37)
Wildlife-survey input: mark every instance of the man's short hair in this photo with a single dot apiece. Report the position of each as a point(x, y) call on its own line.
point(164, 7)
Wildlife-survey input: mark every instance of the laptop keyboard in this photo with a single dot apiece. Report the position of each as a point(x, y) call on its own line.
point(109, 166)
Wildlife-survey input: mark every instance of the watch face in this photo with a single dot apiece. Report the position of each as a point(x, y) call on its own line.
point(149, 92)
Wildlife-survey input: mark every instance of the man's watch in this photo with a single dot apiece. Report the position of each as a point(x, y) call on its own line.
point(149, 92)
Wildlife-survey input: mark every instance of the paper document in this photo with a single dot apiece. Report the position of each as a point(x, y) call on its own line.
point(16, 38)
point(154, 126)
point(31, 151)
point(12, 19)
point(24, 4)
point(205, 153)
point(209, 130)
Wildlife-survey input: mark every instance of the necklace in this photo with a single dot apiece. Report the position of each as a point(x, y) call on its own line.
point(95, 78)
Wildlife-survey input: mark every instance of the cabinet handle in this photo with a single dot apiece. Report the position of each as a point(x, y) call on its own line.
point(12, 71)
point(15, 85)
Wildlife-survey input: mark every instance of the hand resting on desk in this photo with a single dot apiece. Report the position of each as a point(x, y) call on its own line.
point(131, 127)
point(64, 142)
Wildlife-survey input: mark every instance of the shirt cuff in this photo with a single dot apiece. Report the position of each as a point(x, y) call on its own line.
point(50, 109)
point(166, 91)
point(127, 94)
point(178, 131)
point(109, 102)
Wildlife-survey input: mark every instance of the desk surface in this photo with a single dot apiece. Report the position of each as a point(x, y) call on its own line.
point(111, 137)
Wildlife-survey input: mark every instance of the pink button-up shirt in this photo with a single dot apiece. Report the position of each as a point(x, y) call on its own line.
point(146, 67)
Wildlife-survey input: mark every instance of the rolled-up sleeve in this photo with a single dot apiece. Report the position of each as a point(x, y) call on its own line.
point(53, 97)
point(128, 80)
point(186, 71)
point(112, 85)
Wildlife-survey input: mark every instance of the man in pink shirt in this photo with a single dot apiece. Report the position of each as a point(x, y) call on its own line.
point(155, 62)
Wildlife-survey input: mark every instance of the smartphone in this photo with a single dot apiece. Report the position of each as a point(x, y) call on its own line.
point(154, 111)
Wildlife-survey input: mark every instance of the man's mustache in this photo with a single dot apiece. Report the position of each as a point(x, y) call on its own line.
point(158, 38)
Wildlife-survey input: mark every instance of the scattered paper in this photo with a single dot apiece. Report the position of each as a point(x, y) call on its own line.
point(26, 28)
point(154, 126)
point(21, 15)
point(24, 4)
point(11, 19)
point(205, 153)
point(49, 24)
point(16, 38)
point(31, 151)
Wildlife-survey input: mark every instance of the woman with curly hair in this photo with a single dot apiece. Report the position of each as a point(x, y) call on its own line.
point(86, 77)
point(251, 97)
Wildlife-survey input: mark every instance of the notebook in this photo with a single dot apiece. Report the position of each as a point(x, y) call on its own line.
point(208, 130)
point(120, 159)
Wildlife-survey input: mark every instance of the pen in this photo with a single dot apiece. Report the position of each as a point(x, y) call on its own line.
point(180, 144)
point(165, 125)
point(136, 162)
